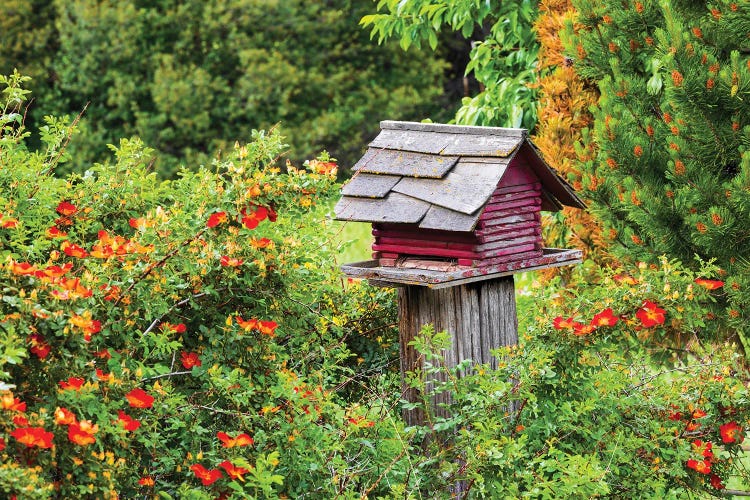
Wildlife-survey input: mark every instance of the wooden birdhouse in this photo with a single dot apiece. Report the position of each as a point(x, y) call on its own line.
point(457, 199)
point(455, 212)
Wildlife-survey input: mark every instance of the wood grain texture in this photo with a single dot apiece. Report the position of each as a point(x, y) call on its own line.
point(393, 208)
point(479, 317)
point(369, 185)
point(404, 163)
point(465, 189)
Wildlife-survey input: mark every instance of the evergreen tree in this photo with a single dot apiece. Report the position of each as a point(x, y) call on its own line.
point(672, 173)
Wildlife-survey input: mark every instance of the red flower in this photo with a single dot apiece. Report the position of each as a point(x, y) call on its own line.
point(650, 314)
point(227, 261)
point(169, 327)
point(260, 243)
point(138, 398)
point(604, 318)
point(268, 328)
point(675, 416)
point(232, 471)
point(87, 325)
point(217, 218)
point(128, 422)
point(71, 289)
point(147, 481)
point(702, 466)
point(55, 271)
point(73, 250)
point(190, 359)
point(66, 208)
point(560, 323)
point(20, 421)
point(39, 347)
point(582, 330)
point(22, 268)
point(731, 433)
point(229, 442)
point(33, 436)
point(207, 477)
point(73, 383)
point(709, 284)
point(82, 433)
point(8, 402)
point(2, 444)
point(254, 218)
point(54, 232)
point(63, 416)
point(699, 413)
point(248, 325)
point(716, 482)
point(704, 449)
point(102, 376)
point(9, 223)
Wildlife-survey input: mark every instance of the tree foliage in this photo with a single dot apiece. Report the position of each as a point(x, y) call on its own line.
point(503, 55)
point(190, 78)
point(672, 172)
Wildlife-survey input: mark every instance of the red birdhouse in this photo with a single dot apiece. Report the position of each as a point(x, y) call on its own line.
point(456, 199)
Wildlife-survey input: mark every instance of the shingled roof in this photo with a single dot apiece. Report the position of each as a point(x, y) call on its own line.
point(440, 176)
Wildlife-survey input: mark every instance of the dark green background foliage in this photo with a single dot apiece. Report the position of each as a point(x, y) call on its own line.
point(193, 77)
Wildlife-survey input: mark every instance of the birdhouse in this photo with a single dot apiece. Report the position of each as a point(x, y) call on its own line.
point(460, 201)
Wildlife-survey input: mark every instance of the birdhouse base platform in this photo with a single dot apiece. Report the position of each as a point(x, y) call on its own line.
point(446, 273)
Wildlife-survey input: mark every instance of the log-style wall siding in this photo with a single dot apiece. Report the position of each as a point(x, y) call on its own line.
point(480, 317)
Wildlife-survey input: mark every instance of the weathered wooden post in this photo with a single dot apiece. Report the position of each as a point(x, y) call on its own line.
point(455, 211)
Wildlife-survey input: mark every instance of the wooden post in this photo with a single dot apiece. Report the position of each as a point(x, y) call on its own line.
point(480, 316)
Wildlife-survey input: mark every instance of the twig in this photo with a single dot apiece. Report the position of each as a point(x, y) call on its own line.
point(172, 374)
point(179, 304)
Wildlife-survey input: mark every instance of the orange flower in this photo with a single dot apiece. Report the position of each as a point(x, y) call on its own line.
point(217, 218)
point(697, 32)
point(230, 442)
point(8, 402)
point(147, 481)
point(9, 222)
point(207, 477)
point(190, 359)
point(731, 433)
point(624, 278)
point(323, 167)
point(22, 268)
point(709, 284)
point(559, 323)
point(582, 330)
point(82, 433)
point(227, 261)
point(248, 325)
point(66, 208)
point(72, 384)
point(638, 151)
point(128, 422)
point(55, 271)
point(33, 436)
point(138, 398)
point(73, 250)
point(71, 289)
point(704, 449)
point(701, 466)
point(54, 232)
point(260, 243)
point(233, 471)
point(63, 416)
point(650, 314)
point(102, 376)
point(268, 327)
point(87, 325)
point(604, 318)
point(699, 413)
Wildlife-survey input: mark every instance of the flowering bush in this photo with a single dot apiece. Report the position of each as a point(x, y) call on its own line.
point(612, 391)
point(181, 337)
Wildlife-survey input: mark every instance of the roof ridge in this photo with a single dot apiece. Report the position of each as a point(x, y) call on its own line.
point(521, 133)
